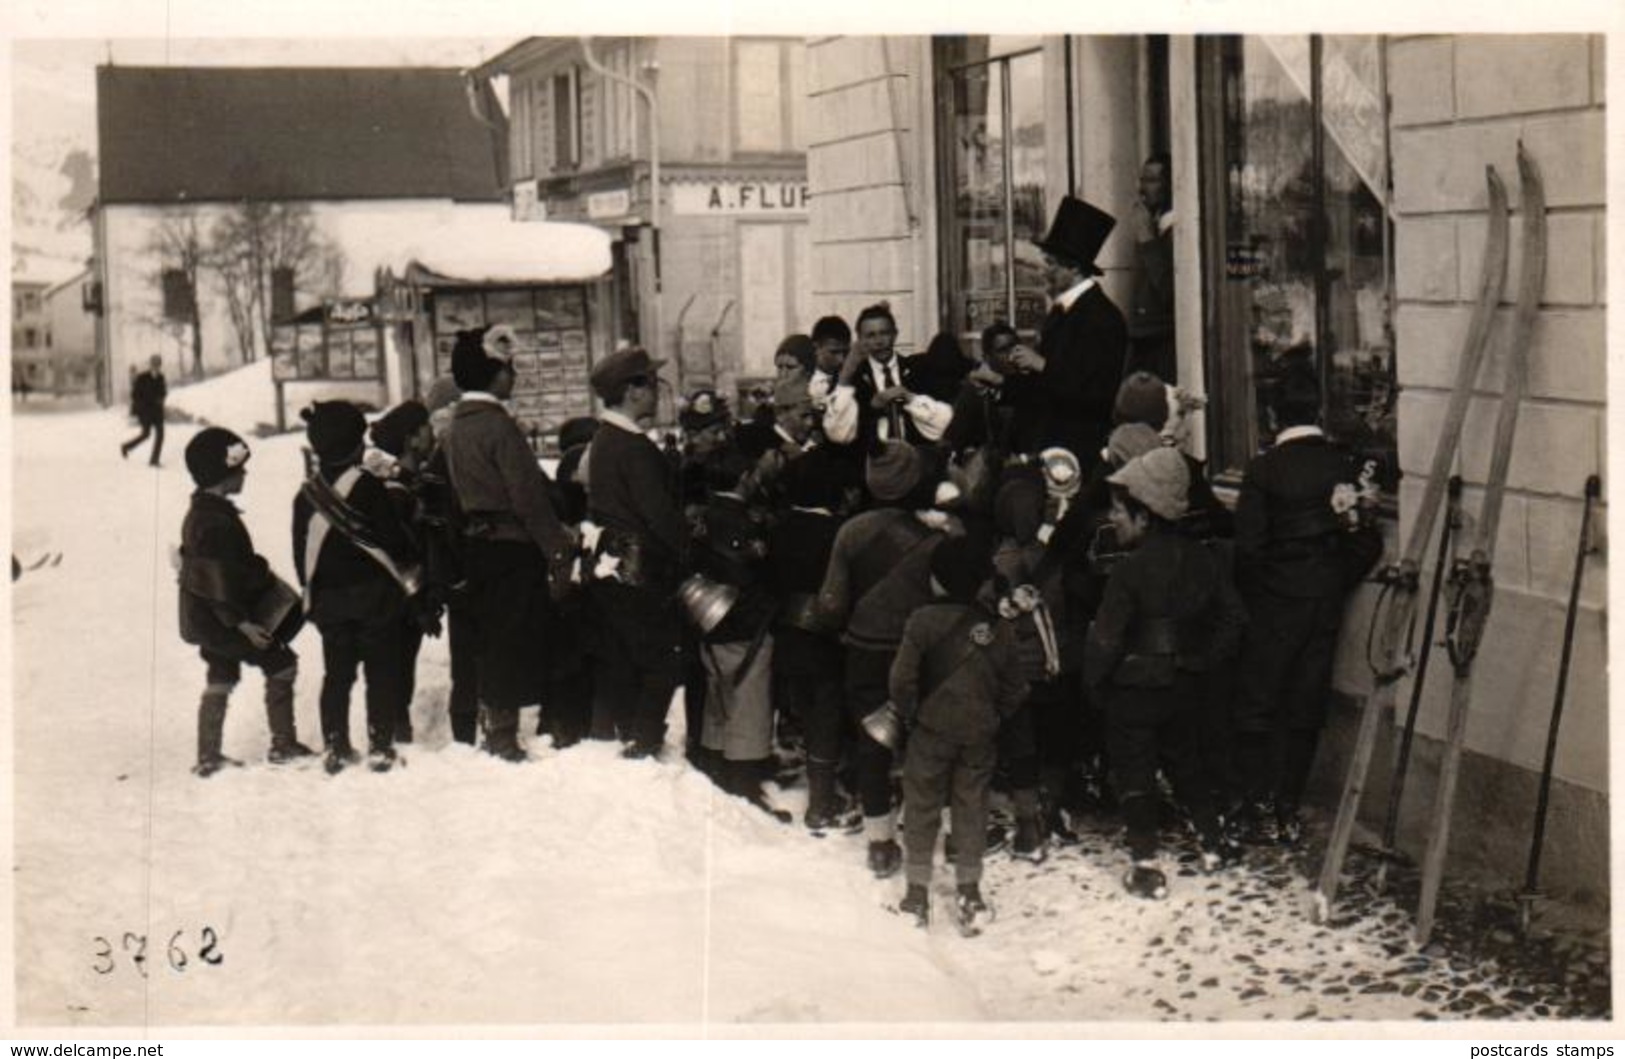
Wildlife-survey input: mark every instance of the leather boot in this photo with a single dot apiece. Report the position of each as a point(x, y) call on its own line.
point(211, 727)
point(465, 727)
point(743, 779)
point(826, 809)
point(381, 755)
point(285, 744)
point(502, 734)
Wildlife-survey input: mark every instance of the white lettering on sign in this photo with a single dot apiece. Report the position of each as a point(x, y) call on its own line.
point(774, 197)
point(601, 204)
point(349, 312)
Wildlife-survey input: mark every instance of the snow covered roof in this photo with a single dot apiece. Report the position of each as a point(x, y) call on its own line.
point(222, 134)
point(492, 249)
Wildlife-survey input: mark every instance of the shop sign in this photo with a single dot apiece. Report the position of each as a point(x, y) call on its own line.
point(775, 197)
point(349, 313)
point(603, 204)
point(1243, 261)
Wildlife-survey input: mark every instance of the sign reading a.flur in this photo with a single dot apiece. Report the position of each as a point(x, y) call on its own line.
point(721, 197)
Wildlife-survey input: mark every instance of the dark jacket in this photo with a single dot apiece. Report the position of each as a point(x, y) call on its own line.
point(345, 583)
point(1083, 349)
point(911, 376)
point(1289, 541)
point(956, 672)
point(1151, 300)
point(221, 576)
point(879, 572)
point(503, 492)
point(631, 491)
point(1167, 608)
point(147, 395)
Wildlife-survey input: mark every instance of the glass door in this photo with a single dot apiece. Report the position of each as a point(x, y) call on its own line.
point(993, 142)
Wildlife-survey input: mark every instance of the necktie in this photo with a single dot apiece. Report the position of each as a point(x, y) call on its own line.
point(891, 380)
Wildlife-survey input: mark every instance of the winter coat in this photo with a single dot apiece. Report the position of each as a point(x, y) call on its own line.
point(221, 576)
point(503, 492)
point(632, 494)
point(1167, 609)
point(345, 583)
point(956, 673)
point(1289, 541)
point(147, 396)
point(879, 572)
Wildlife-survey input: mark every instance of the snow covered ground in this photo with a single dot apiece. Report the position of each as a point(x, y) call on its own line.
point(580, 889)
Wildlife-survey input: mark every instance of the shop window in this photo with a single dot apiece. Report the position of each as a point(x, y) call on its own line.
point(993, 151)
point(770, 95)
point(1296, 239)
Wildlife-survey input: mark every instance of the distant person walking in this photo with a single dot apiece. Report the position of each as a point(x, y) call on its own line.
point(147, 394)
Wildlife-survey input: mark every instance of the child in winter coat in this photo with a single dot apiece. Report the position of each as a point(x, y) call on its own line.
point(222, 583)
point(955, 677)
point(1167, 616)
point(359, 569)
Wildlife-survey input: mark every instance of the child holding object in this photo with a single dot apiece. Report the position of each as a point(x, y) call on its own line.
point(1167, 616)
point(955, 678)
point(232, 607)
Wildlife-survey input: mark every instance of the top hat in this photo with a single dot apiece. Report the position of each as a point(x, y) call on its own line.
point(1077, 233)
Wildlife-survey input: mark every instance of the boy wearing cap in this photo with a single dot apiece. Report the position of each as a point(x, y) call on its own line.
point(359, 568)
point(640, 554)
point(1166, 617)
point(954, 679)
point(878, 574)
point(223, 582)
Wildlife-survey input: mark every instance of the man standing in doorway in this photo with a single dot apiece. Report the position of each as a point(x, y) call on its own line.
point(147, 394)
point(1084, 339)
point(1151, 302)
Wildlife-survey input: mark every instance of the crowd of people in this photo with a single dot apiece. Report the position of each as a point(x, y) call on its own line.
point(959, 569)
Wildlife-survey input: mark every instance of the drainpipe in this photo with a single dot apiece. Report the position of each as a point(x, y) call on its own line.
point(647, 94)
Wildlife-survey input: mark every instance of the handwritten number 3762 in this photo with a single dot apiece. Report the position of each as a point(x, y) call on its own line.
point(134, 947)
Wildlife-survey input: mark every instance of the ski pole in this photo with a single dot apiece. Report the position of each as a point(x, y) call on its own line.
point(1396, 792)
point(1531, 880)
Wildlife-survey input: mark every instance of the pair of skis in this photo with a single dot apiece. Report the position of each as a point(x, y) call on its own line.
point(1471, 583)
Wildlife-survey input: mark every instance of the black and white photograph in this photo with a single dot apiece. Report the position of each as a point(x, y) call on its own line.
point(748, 524)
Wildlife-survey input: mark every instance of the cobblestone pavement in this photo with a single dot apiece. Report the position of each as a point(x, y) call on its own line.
point(1070, 945)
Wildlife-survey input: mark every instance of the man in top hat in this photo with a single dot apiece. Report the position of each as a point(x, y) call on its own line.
point(1084, 339)
point(640, 551)
point(516, 551)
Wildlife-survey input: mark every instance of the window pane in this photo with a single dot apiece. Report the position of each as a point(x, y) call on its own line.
point(1267, 306)
point(978, 241)
point(1029, 215)
point(1361, 395)
point(758, 89)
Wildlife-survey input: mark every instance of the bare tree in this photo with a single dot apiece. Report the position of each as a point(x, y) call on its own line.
point(178, 246)
point(249, 245)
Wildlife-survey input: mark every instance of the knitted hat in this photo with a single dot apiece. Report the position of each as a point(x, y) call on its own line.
point(893, 472)
point(800, 347)
point(577, 431)
point(961, 565)
point(335, 430)
point(1159, 479)
point(213, 454)
point(1142, 398)
point(471, 366)
point(702, 409)
point(1131, 440)
point(392, 432)
point(1018, 508)
point(442, 393)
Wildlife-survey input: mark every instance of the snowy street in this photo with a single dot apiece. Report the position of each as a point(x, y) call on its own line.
point(578, 889)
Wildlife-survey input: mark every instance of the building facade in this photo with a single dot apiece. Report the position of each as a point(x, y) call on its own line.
point(331, 173)
point(1328, 199)
point(712, 270)
point(70, 328)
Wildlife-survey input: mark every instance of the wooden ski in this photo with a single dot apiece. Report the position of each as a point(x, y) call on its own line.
point(1471, 580)
point(1396, 612)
